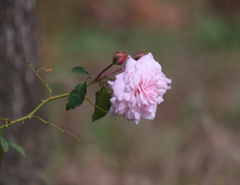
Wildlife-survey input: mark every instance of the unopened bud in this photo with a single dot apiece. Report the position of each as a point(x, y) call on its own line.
point(139, 55)
point(119, 58)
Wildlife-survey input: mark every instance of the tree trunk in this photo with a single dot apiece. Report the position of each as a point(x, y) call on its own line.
point(20, 92)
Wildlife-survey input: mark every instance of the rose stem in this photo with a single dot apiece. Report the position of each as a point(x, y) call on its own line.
point(107, 75)
point(103, 71)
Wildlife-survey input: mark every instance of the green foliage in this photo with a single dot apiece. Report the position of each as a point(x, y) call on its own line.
point(1, 152)
point(80, 70)
point(103, 101)
point(5, 146)
point(17, 147)
point(77, 96)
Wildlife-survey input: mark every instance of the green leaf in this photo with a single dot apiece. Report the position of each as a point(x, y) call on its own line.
point(4, 144)
point(1, 152)
point(17, 147)
point(77, 96)
point(80, 70)
point(106, 83)
point(1, 148)
point(103, 101)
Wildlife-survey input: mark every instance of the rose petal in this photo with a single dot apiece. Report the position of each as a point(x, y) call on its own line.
point(139, 89)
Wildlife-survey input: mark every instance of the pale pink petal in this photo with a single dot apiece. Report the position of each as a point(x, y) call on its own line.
point(139, 89)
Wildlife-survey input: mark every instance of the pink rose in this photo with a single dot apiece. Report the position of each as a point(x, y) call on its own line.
point(138, 89)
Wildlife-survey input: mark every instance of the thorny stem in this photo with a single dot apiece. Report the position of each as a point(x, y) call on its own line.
point(4, 119)
point(31, 114)
point(37, 108)
point(64, 131)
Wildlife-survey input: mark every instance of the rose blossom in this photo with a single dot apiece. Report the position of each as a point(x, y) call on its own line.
point(138, 89)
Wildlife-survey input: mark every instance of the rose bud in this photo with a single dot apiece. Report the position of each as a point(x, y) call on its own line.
point(139, 55)
point(119, 58)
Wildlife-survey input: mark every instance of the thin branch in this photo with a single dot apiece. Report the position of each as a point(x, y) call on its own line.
point(22, 119)
point(96, 105)
point(103, 71)
point(10, 123)
point(107, 75)
point(34, 111)
point(63, 131)
point(5, 119)
point(40, 78)
point(92, 82)
point(111, 79)
point(31, 114)
point(43, 68)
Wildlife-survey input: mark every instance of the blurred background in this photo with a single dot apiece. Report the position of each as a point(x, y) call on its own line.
point(194, 138)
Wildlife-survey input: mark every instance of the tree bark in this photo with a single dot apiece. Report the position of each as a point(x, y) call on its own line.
point(20, 92)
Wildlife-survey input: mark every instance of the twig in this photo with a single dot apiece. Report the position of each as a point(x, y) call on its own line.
point(34, 111)
point(64, 131)
point(31, 114)
point(40, 78)
point(103, 71)
point(5, 119)
point(107, 75)
point(96, 105)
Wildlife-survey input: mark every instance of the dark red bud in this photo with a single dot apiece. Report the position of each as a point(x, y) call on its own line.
point(139, 55)
point(119, 58)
